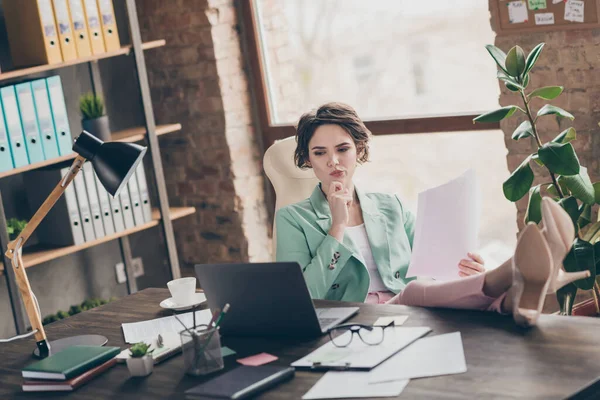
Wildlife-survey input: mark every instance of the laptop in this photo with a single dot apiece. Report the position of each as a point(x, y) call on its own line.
point(266, 299)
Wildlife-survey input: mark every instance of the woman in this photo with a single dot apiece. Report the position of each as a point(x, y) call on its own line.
point(356, 246)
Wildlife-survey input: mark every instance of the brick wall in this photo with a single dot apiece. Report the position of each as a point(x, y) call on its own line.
point(569, 59)
point(214, 163)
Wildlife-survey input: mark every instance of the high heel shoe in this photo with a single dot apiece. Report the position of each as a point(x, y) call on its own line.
point(532, 267)
point(559, 233)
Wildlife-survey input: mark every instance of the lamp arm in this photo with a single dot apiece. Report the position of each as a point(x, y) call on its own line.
point(12, 252)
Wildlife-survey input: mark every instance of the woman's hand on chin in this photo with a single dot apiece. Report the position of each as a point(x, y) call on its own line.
point(472, 265)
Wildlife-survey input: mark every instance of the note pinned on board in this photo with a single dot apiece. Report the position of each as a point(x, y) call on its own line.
point(536, 4)
point(557, 1)
point(574, 10)
point(517, 12)
point(385, 321)
point(544, 19)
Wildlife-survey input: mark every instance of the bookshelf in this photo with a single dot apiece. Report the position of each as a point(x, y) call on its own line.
point(163, 214)
point(128, 135)
point(39, 254)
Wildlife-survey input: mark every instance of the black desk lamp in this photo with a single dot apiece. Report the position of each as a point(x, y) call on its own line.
point(113, 162)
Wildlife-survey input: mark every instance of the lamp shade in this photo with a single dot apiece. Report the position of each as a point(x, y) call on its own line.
point(114, 162)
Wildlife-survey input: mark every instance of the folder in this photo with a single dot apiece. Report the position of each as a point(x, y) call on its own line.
point(59, 115)
point(65, 30)
point(62, 226)
point(109, 25)
point(44, 118)
point(126, 208)
point(80, 29)
point(90, 185)
point(117, 214)
point(32, 33)
point(93, 22)
point(13, 126)
point(136, 204)
point(107, 219)
point(6, 162)
point(31, 130)
point(84, 208)
point(144, 195)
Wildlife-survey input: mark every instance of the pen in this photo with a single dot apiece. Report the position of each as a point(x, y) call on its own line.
point(225, 309)
point(214, 317)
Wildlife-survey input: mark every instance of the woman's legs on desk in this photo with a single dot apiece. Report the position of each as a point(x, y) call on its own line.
point(519, 285)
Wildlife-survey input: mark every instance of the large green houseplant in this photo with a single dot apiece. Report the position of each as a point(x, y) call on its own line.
point(569, 185)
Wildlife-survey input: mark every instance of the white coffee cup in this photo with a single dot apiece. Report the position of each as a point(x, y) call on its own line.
point(182, 290)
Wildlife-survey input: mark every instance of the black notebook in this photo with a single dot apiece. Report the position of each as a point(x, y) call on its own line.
point(241, 382)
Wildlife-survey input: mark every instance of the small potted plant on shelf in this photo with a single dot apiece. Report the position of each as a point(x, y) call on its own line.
point(141, 362)
point(14, 227)
point(94, 121)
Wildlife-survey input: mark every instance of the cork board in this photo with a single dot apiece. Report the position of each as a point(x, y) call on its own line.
point(544, 15)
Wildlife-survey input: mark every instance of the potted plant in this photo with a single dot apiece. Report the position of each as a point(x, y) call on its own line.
point(14, 227)
point(95, 121)
point(569, 183)
point(141, 362)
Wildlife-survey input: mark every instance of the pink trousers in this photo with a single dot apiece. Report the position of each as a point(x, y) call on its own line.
point(464, 293)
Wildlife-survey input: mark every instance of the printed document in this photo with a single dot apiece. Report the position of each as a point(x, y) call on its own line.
point(146, 330)
point(446, 228)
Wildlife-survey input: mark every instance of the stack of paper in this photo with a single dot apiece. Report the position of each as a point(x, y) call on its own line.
point(144, 330)
point(426, 357)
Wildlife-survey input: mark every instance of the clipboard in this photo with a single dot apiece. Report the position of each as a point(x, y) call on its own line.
point(359, 356)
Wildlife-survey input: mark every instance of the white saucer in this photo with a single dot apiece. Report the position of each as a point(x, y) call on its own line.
point(197, 298)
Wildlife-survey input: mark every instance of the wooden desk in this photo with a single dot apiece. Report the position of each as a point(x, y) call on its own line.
point(547, 362)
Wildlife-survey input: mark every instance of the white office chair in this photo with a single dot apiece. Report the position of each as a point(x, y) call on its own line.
point(291, 183)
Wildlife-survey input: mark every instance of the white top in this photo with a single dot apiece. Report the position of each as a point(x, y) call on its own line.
point(358, 234)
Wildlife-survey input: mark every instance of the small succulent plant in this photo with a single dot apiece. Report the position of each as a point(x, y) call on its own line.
point(140, 349)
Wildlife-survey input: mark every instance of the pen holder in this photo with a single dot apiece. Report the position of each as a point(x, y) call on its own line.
point(201, 350)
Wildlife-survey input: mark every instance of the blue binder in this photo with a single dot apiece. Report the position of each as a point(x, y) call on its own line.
point(44, 118)
point(13, 126)
point(31, 130)
point(59, 114)
point(6, 162)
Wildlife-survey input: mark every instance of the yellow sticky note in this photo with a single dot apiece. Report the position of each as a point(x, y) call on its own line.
point(384, 321)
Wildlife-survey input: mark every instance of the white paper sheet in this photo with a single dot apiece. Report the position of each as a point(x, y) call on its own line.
point(517, 12)
point(360, 355)
point(147, 330)
point(340, 385)
point(447, 227)
point(544, 19)
point(430, 356)
point(574, 10)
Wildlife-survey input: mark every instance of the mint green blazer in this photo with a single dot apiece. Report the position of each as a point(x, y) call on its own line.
point(337, 271)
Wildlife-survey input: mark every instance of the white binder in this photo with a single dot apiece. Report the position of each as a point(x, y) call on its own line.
point(117, 213)
point(109, 226)
point(126, 208)
point(62, 226)
point(84, 207)
point(136, 203)
point(144, 195)
point(90, 185)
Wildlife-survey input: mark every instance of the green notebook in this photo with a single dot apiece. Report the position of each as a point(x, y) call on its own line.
point(72, 361)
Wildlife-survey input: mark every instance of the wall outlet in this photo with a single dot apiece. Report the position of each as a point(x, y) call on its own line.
point(138, 267)
point(121, 277)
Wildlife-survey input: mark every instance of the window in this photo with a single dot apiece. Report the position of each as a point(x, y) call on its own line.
point(386, 58)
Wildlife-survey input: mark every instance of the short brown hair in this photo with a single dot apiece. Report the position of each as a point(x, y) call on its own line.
point(331, 113)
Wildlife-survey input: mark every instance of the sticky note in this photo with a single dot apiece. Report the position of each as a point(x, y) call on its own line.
point(544, 19)
point(536, 4)
point(517, 12)
point(574, 10)
point(257, 359)
point(226, 351)
point(384, 321)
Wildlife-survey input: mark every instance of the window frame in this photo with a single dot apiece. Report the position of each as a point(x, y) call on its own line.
point(270, 132)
